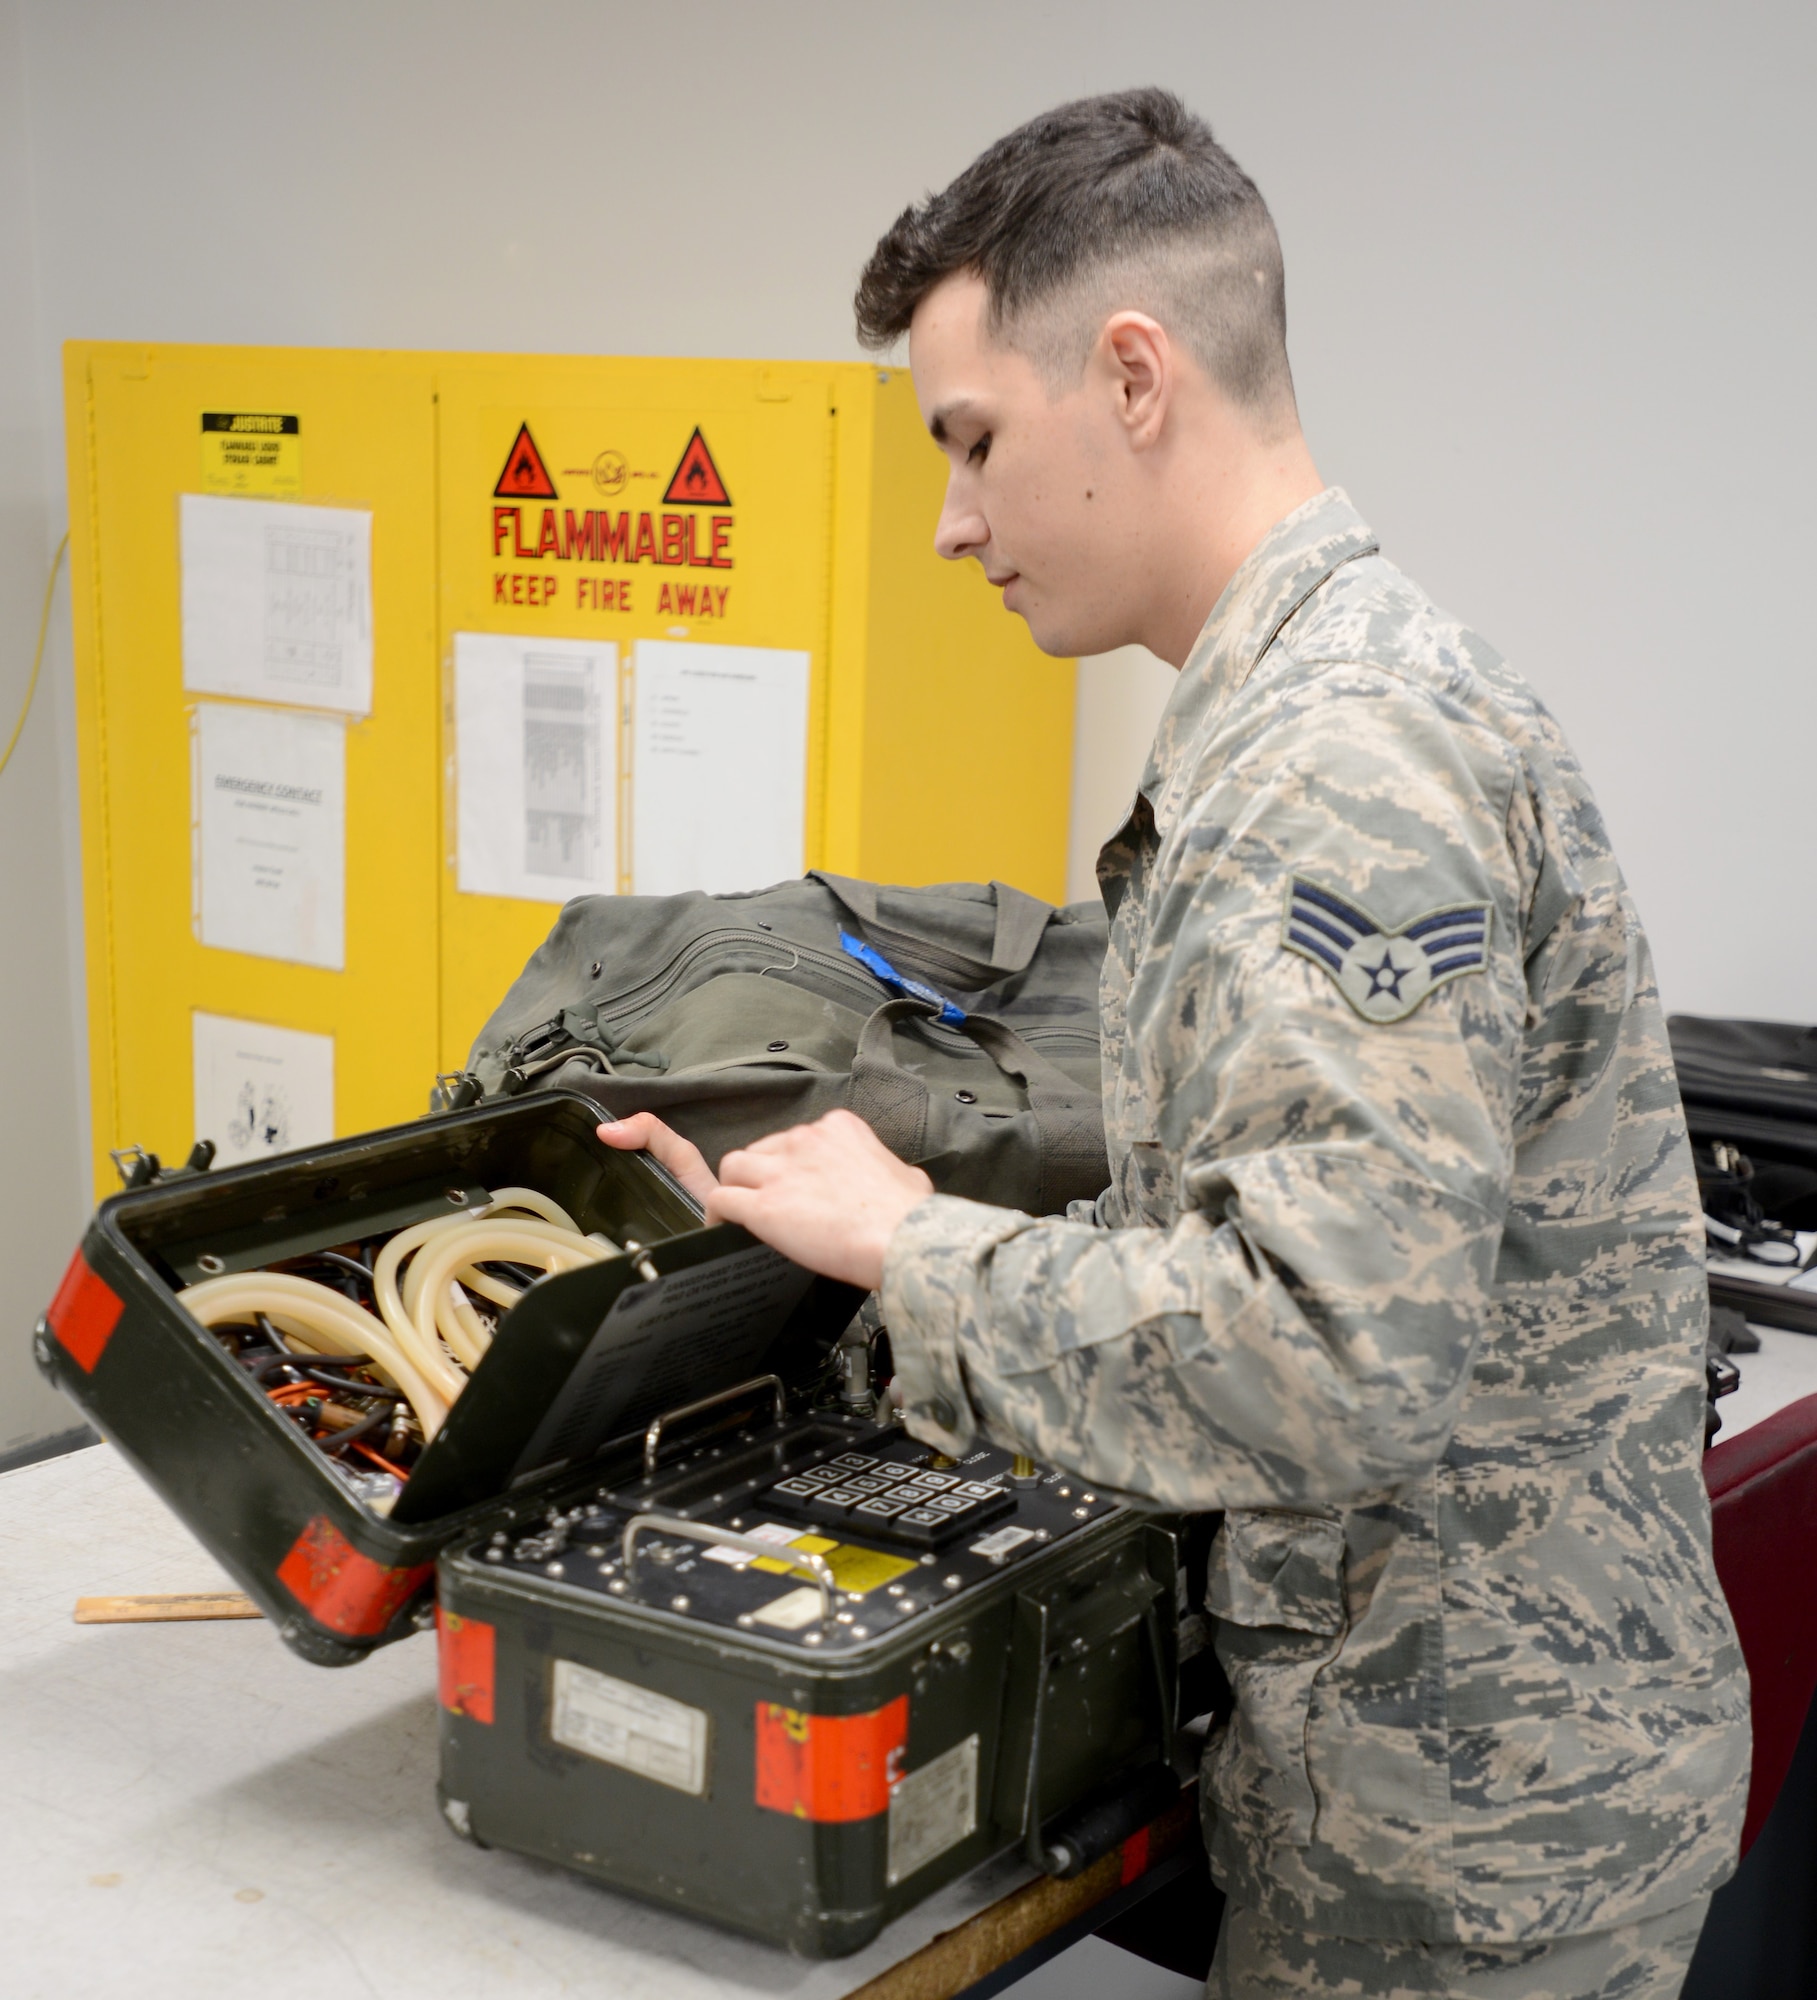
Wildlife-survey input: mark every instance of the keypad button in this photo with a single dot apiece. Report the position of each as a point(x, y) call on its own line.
point(977, 1489)
point(871, 1482)
point(952, 1503)
point(935, 1482)
point(852, 1461)
point(882, 1506)
point(820, 1475)
point(924, 1517)
point(802, 1486)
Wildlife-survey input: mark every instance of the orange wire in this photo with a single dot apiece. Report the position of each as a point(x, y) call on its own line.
point(366, 1451)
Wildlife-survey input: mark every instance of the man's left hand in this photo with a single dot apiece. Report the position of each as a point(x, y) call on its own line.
point(829, 1195)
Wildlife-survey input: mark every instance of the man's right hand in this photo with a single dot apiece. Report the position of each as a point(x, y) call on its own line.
point(644, 1132)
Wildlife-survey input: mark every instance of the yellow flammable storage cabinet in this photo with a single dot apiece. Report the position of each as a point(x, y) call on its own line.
point(381, 657)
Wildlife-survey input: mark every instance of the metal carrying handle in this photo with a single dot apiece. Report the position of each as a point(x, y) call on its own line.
point(653, 1436)
point(799, 1560)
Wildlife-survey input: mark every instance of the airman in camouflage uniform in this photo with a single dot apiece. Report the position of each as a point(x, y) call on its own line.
point(1400, 1267)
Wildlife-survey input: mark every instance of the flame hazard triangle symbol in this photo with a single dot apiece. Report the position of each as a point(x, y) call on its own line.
point(697, 478)
point(525, 476)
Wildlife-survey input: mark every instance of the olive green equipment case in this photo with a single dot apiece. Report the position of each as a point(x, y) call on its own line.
point(708, 1631)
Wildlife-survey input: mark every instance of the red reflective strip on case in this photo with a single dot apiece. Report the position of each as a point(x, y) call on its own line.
point(84, 1314)
point(1135, 1856)
point(342, 1589)
point(829, 1767)
point(466, 1655)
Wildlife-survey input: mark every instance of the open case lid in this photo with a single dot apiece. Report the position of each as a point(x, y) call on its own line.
point(586, 1357)
point(593, 1356)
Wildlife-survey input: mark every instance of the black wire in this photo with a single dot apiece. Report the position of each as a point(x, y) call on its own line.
point(525, 1275)
point(369, 1422)
point(349, 1387)
point(348, 1265)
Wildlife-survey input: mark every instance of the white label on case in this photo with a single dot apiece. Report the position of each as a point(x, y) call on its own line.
point(632, 1727)
point(765, 1531)
point(933, 1809)
point(1002, 1542)
point(791, 1611)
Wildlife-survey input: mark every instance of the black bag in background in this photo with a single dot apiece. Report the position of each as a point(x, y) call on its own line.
point(1750, 1097)
point(961, 1022)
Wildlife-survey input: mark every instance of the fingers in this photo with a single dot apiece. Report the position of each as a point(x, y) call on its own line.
point(755, 1166)
point(733, 1204)
point(644, 1132)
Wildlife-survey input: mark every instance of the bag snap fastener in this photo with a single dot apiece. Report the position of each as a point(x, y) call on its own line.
point(966, 1096)
point(776, 1048)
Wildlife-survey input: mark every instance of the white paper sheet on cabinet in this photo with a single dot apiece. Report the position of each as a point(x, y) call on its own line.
point(719, 767)
point(536, 766)
point(261, 1090)
point(270, 831)
point(277, 602)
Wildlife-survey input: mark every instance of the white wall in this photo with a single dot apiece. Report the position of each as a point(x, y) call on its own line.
point(1119, 700)
point(41, 1199)
point(1548, 271)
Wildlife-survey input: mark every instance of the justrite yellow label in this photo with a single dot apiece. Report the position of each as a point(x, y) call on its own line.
point(855, 1570)
point(251, 453)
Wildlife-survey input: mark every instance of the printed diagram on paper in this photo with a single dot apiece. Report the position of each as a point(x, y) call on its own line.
point(261, 1090)
point(277, 602)
point(709, 779)
point(536, 766)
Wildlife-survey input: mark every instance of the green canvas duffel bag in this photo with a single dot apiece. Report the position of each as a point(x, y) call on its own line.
point(961, 1022)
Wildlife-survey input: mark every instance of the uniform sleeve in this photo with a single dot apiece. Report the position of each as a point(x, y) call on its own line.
point(1303, 1333)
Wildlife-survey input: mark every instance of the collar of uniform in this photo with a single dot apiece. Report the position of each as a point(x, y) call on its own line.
point(1284, 568)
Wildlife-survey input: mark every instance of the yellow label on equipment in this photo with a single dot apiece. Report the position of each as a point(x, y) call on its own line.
point(252, 452)
point(855, 1570)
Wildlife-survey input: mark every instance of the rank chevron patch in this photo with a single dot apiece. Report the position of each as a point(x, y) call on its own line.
point(1383, 973)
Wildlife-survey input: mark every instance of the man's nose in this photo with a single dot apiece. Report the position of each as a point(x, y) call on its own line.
point(962, 529)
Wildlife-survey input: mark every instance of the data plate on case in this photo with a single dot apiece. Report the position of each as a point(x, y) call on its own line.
point(933, 1809)
point(633, 1727)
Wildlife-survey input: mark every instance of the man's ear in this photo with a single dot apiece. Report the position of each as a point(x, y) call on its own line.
point(1139, 362)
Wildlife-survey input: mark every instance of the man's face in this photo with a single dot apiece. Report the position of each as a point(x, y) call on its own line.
point(1039, 484)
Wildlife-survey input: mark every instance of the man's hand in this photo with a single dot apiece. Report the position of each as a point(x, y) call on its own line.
point(644, 1132)
point(830, 1195)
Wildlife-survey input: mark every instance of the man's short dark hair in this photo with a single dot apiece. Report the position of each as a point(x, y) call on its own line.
point(1114, 202)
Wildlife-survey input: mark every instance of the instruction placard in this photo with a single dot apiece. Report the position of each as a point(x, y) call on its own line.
point(270, 832)
point(255, 453)
point(658, 1342)
point(277, 602)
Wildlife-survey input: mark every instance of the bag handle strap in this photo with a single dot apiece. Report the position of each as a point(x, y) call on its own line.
point(894, 1101)
point(1021, 920)
point(1068, 1116)
point(891, 1100)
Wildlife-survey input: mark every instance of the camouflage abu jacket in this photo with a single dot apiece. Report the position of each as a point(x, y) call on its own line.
point(1401, 1265)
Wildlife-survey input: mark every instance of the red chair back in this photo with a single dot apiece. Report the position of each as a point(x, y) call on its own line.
point(1763, 1514)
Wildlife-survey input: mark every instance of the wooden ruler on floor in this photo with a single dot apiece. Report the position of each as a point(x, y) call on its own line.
point(159, 1610)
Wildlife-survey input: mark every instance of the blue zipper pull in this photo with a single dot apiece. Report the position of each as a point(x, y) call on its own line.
point(874, 962)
